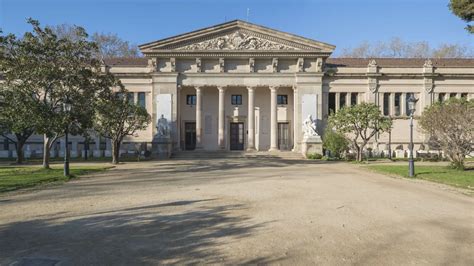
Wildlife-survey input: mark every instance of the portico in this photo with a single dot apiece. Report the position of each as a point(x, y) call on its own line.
point(237, 117)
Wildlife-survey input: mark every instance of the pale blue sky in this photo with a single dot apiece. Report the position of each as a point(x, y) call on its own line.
point(344, 23)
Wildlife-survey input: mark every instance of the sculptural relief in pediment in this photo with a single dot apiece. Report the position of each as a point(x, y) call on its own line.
point(237, 41)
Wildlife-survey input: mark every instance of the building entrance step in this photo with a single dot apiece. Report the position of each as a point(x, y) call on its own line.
point(199, 154)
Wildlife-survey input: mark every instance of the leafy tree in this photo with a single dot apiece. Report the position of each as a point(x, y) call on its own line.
point(117, 118)
point(17, 118)
point(337, 143)
point(55, 71)
point(359, 123)
point(451, 125)
point(464, 9)
point(110, 44)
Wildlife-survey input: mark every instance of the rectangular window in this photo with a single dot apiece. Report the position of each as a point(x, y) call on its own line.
point(282, 99)
point(119, 95)
point(441, 97)
point(191, 99)
point(398, 98)
point(236, 99)
point(141, 99)
point(453, 95)
point(342, 99)
point(130, 98)
point(386, 104)
point(464, 95)
point(332, 103)
point(354, 97)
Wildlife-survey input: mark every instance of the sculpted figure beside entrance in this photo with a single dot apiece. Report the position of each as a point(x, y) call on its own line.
point(309, 127)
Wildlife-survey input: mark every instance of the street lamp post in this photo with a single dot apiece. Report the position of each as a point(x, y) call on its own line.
point(390, 142)
point(67, 109)
point(411, 162)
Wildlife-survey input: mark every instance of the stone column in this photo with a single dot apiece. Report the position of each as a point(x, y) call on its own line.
point(273, 119)
point(221, 121)
point(338, 101)
point(251, 119)
point(198, 117)
point(295, 118)
point(403, 104)
point(392, 104)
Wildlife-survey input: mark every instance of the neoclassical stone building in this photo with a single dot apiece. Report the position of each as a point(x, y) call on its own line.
point(241, 86)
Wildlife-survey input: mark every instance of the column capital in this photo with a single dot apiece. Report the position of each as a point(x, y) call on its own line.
point(198, 87)
point(251, 88)
point(221, 88)
point(273, 88)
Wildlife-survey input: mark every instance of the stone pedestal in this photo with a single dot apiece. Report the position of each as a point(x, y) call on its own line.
point(161, 147)
point(311, 145)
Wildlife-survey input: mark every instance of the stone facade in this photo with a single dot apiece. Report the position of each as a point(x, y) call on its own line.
point(240, 86)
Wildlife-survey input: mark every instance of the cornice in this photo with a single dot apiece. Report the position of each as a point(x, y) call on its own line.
point(237, 53)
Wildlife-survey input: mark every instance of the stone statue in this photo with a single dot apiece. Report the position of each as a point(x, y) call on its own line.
point(300, 63)
point(162, 127)
point(275, 65)
point(198, 64)
point(428, 63)
point(309, 127)
point(221, 65)
point(173, 64)
point(252, 64)
point(372, 63)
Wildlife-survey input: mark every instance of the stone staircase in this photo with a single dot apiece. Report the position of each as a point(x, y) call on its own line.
point(190, 155)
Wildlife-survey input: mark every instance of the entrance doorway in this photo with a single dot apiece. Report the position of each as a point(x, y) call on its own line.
point(237, 136)
point(283, 136)
point(190, 136)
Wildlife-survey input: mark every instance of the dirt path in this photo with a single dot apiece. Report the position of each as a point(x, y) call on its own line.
point(238, 211)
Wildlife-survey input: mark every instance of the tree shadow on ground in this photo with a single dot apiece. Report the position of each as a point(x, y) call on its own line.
point(181, 232)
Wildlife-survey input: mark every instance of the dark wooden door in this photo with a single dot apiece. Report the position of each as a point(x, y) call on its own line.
point(237, 136)
point(190, 135)
point(283, 136)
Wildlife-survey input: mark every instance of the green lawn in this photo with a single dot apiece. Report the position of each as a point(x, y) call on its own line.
point(13, 178)
point(440, 174)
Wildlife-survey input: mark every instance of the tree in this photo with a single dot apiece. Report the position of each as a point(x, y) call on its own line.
point(464, 9)
point(17, 117)
point(55, 71)
point(397, 48)
point(359, 123)
point(337, 143)
point(110, 44)
point(117, 118)
point(451, 127)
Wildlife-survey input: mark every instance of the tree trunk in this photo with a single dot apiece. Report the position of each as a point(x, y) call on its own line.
point(46, 150)
point(360, 151)
point(115, 151)
point(19, 151)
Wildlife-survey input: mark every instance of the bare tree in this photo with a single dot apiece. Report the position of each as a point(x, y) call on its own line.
point(110, 44)
point(397, 48)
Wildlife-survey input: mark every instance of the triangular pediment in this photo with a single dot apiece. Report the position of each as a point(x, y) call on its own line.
point(237, 36)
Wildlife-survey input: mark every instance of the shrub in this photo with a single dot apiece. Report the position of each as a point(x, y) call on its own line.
point(314, 156)
point(335, 142)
